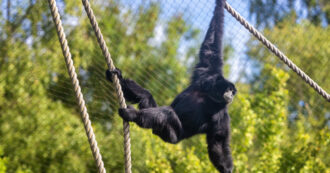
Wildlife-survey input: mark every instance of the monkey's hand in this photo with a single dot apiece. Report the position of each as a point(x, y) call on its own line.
point(111, 73)
point(230, 92)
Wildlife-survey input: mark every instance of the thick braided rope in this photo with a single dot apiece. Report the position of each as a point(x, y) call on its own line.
point(75, 82)
point(277, 52)
point(111, 66)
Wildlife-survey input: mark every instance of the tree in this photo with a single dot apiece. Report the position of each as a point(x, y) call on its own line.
point(39, 109)
point(40, 127)
point(307, 116)
point(269, 13)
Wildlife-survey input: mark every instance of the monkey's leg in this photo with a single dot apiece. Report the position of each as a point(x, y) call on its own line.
point(162, 120)
point(136, 94)
point(218, 139)
point(219, 153)
point(133, 92)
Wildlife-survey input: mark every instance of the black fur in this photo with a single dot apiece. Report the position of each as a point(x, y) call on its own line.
point(201, 108)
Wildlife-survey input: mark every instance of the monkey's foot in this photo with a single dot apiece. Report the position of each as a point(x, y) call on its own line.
point(226, 169)
point(128, 114)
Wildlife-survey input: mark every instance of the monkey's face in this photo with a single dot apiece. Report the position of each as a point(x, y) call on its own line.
point(223, 92)
point(228, 96)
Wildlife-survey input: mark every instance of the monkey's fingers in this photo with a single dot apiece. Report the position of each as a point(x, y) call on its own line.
point(109, 74)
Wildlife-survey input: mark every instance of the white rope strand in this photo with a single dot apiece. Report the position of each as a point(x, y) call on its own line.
point(277, 52)
point(111, 66)
point(75, 82)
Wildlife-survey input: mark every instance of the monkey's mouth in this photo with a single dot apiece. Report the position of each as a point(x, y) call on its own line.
point(228, 96)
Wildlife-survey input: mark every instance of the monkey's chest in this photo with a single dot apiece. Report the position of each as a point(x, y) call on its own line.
point(195, 119)
point(195, 111)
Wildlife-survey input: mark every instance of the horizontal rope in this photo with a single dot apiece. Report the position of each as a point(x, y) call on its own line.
point(277, 52)
point(75, 82)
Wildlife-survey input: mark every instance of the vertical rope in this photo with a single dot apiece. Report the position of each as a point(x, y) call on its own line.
point(107, 56)
point(75, 82)
point(277, 52)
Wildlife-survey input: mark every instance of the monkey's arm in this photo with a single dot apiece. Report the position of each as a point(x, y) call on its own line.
point(209, 69)
point(133, 92)
point(211, 55)
point(218, 139)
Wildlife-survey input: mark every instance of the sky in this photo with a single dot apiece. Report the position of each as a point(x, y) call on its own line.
point(198, 14)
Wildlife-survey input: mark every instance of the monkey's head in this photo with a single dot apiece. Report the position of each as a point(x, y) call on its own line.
point(223, 92)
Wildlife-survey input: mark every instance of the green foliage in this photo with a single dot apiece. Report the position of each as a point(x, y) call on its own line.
point(306, 44)
point(270, 13)
point(40, 126)
point(258, 123)
point(39, 108)
point(312, 58)
point(162, 157)
point(3, 161)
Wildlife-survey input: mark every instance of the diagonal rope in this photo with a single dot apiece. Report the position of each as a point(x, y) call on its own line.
point(277, 52)
point(75, 82)
point(111, 66)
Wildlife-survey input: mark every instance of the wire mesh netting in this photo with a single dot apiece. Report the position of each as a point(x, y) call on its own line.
point(279, 123)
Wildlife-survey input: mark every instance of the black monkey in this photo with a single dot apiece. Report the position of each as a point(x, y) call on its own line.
point(200, 108)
